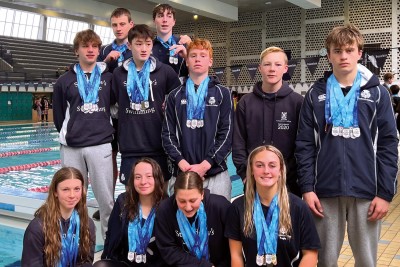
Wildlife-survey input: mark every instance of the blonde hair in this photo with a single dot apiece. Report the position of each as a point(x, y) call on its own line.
point(283, 197)
point(50, 215)
point(273, 49)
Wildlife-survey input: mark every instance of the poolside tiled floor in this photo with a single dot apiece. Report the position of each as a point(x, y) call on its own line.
point(389, 243)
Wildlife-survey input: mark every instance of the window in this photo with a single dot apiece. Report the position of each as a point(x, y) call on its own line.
point(63, 30)
point(106, 34)
point(18, 23)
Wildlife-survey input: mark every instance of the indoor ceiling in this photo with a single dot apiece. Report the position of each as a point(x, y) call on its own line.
point(98, 11)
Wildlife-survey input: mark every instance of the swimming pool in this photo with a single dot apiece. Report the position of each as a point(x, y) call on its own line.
point(29, 157)
point(11, 246)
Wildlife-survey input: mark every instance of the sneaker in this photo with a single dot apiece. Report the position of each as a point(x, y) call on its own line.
point(96, 216)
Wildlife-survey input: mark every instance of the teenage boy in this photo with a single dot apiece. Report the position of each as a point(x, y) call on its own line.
point(114, 55)
point(141, 85)
point(346, 150)
point(81, 104)
point(197, 130)
point(268, 116)
point(116, 52)
point(169, 49)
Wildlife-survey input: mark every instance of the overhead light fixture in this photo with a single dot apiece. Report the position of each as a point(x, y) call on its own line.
point(268, 3)
point(195, 16)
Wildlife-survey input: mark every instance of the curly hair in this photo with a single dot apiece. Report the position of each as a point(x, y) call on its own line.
point(132, 199)
point(50, 215)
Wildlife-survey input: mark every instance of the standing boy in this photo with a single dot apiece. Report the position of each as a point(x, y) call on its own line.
point(197, 130)
point(116, 52)
point(169, 49)
point(81, 104)
point(268, 116)
point(346, 149)
point(141, 85)
point(114, 55)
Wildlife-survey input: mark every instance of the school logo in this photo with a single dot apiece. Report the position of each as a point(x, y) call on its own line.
point(183, 101)
point(366, 94)
point(321, 97)
point(154, 82)
point(122, 177)
point(211, 101)
point(284, 116)
point(283, 234)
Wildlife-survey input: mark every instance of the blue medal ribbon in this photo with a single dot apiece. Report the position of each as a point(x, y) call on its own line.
point(196, 241)
point(70, 241)
point(341, 110)
point(88, 89)
point(121, 49)
point(138, 235)
point(266, 227)
point(137, 84)
point(168, 44)
point(196, 101)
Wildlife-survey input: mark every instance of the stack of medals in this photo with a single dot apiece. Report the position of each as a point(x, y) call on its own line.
point(266, 259)
point(140, 106)
point(139, 236)
point(196, 105)
point(138, 258)
point(173, 59)
point(266, 230)
point(137, 86)
point(88, 90)
point(348, 132)
point(340, 110)
point(89, 108)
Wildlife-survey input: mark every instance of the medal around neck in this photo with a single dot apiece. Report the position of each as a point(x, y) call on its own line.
point(342, 110)
point(196, 103)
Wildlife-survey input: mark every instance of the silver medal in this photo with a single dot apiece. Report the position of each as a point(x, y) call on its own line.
point(346, 132)
point(144, 258)
point(90, 106)
point(86, 107)
point(268, 258)
point(145, 104)
point(131, 256)
point(138, 258)
point(259, 260)
point(335, 131)
point(200, 123)
point(175, 60)
point(132, 105)
point(171, 60)
point(96, 107)
point(340, 131)
point(137, 106)
point(194, 124)
point(356, 132)
point(188, 123)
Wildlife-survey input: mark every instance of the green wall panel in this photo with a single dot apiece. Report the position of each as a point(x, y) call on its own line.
point(19, 109)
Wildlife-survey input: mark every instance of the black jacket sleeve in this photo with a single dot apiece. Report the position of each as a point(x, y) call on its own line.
point(33, 244)
point(113, 233)
point(239, 151)
point(59, 104)
point(223, 137)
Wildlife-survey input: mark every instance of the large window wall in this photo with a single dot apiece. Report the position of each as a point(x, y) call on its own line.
point(20, 24)
point(23, 24)
point(63, 30)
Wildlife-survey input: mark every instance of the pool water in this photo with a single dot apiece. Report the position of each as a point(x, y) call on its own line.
point(38, 136)
point(10, 246)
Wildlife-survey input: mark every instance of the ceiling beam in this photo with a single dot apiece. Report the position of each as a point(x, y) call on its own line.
point(306, 4)
point(207, 8)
